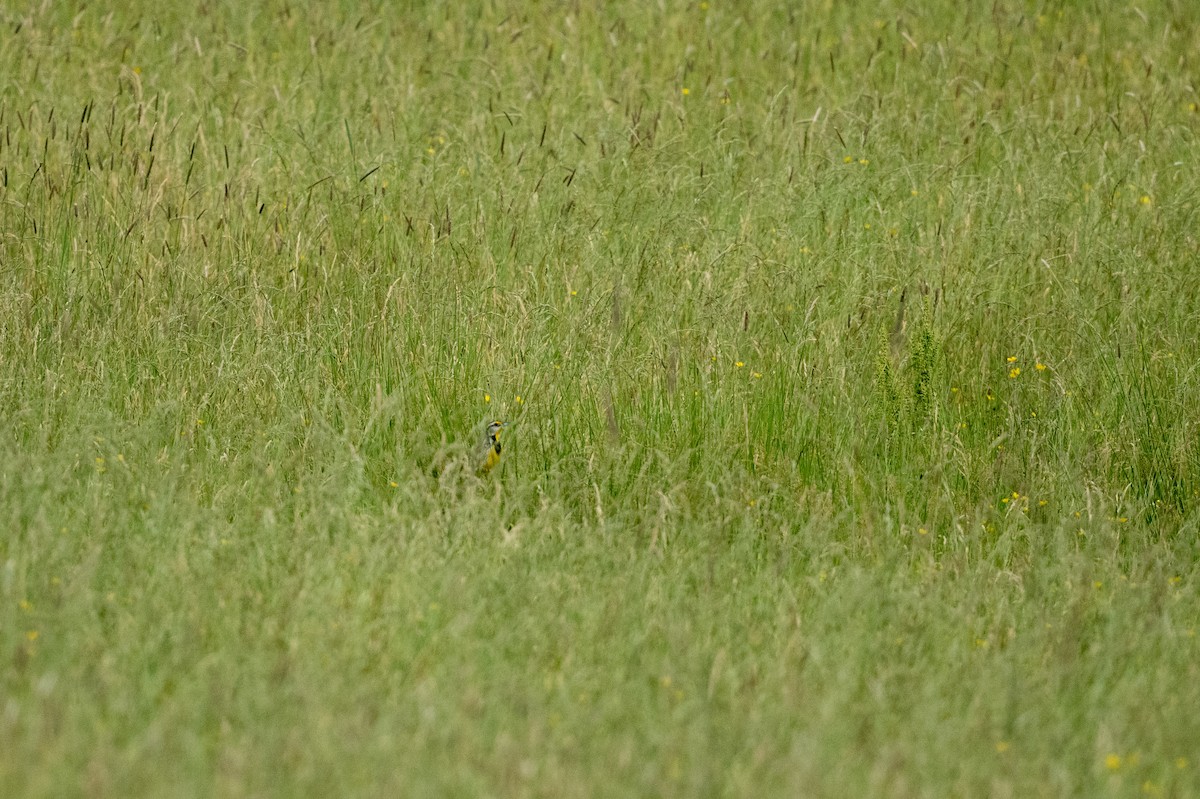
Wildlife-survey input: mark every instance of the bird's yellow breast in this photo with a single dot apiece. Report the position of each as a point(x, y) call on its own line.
point(493, 457)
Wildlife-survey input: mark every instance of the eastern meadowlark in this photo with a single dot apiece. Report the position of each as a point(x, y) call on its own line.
point(491, 447)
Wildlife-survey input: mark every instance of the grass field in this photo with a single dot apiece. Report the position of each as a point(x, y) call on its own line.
point(849, 354)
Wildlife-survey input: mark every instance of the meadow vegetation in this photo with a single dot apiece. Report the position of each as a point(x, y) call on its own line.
point(849, 353)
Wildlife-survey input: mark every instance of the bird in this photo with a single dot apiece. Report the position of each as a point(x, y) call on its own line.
point(490, 446)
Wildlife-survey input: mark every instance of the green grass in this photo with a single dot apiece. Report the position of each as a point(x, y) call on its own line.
point(849, 352)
